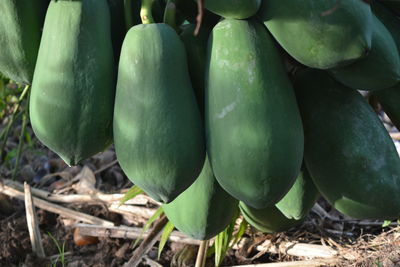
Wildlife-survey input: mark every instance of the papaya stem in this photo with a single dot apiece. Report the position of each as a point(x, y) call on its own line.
point(12, 119)
point(202, 254)
point(170, 14)
point(200, 14)
point(145, 11)
point(21, 139)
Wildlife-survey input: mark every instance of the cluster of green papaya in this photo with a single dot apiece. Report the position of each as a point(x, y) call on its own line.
point(257, 111)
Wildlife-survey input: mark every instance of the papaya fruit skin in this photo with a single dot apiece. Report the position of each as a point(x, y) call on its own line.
point(297, 203)
point(233, 9)
point(196, 51)
point(320, 34)
point(21, 22)
point(349, 154)
point(158, 131)
point(252, 154)
point(72, 95)
point(267, 220)
point(290, 211)
point(379, 70)
point(204, 209)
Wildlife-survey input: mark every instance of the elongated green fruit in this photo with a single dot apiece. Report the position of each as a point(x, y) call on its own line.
point(72, 97)
point(379, 70)
point(158, 131)
point(249, 106)
point(21, 22)
point(320, 34)
point(289, 211)
point(196, 51)
point(204, 209)
point(233, 9)
point(349, 154)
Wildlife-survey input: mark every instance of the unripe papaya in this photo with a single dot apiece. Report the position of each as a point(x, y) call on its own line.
point(196, 51)
point(320, 34)
point(349, 154)
point(204, 209)
point(72, 97)
point(289, 211)
point(233, 9)
point(249, 107)
point(21, 22)
point(158, 131)
point(379, 70)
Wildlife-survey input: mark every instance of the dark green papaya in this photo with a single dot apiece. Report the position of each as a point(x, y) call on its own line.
point(349, 154)
point(390, 100)
point(204, 209)
point(320, 34)
point(72, 97)
point(379, 70)
point(158, 131)
point(233, 9)
point(249, 107)
point(267, 220)
point(290, 211)
point(196, 51)
point(21, 23)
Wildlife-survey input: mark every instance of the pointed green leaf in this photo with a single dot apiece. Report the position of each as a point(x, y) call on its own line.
point(386, 223)
point(132, 192)
point(169, 227)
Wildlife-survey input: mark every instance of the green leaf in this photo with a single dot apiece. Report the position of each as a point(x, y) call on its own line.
point(10, 155)
point(386, 223)
point(222, 241)
point(132, 192)
point(242, 229)
point(168, 228)
point(146, 227)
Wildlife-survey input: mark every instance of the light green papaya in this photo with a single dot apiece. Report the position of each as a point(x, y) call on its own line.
point(196, 51)
point(349, 154)
point(158, 132)
point(204, 209)
point(233, 9)
point(379, 70)
point(290, 211)
point(72, 97)
point(320, 34)
point(249, 107)
point(21, 23)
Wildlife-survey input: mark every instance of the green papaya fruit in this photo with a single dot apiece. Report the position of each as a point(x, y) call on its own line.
point(379, 70)
point(390, 100)
point(196, 51)
point(297, 203)
point(320, 34)
point(349, 154)
point(72, 97)
point(290, 211)
point(21, 23)
point(267, 220)
point(233, 9)
point(158, 131)
point(249, 107)
point(204, 209)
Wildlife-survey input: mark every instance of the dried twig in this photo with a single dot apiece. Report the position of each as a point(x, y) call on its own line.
point(79, 216)
point(202, 254)
point(147, 243)
point(307, 263)
point(32, 221)
point(128, 233)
